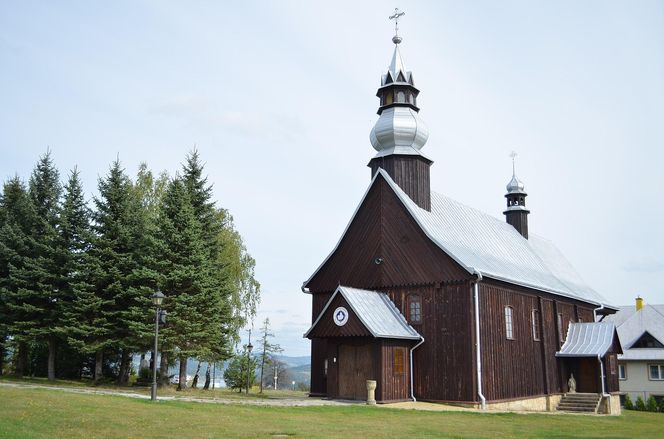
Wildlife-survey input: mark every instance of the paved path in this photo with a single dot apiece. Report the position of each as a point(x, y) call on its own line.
point(284, 402)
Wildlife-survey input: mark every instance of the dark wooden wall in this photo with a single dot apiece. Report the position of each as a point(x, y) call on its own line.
point(443, 364)
point(326, 326)
point(385, 230)
point(522, 366)
point(411, 173)
point(395, 386)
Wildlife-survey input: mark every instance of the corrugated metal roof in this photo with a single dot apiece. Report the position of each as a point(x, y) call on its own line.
point(480, 241)
point(632, 324)
point(376, 312)
point(587, 339)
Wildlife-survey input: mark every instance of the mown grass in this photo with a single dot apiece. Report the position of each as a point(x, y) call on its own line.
point(170, 390)
point(45, 413)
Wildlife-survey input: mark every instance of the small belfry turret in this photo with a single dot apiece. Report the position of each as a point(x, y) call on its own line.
point(516, 213)
point(399, 133)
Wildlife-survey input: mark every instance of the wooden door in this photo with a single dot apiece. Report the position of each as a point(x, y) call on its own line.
point(355, 367)
point(588, 379)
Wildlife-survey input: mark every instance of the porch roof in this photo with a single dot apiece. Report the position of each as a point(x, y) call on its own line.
point(376, 312)
point(588, 339)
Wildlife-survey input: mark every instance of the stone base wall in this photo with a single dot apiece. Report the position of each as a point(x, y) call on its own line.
point(546, 403)
point(610, 405)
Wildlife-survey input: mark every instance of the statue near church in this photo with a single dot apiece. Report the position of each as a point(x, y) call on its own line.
point(571, 383)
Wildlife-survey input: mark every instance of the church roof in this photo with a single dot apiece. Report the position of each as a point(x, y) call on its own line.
point(480, 242)
point(588, 339)
point(376, 312)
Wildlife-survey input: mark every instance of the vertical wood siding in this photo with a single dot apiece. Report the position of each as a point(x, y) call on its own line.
point(411, 173)
point(443, 364)
point(384, 229)
point(395, 385)
point(512, 367)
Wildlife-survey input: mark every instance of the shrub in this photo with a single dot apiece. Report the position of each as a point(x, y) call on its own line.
point(640, 404)
point(651, 404)
point(629, 405)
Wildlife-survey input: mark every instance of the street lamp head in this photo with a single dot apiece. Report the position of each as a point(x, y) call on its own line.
point(250, 347)
point(157, 298)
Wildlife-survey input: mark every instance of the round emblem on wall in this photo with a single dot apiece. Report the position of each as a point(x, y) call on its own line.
point(340, 316)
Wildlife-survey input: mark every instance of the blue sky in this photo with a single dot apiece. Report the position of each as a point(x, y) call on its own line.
point(279, 98)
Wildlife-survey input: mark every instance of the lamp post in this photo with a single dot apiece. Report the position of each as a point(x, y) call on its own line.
point(249, 348)
point(157, 299)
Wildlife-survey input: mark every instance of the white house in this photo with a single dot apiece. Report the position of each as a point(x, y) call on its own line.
point(641, 366)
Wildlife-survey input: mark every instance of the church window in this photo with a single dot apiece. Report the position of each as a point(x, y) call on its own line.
point(401, 97)
point(622, 372)
point(415, 308)
point(389, 98)
point(536, 325)
point(509, 329)
point(657, 372)
point(612, 364)
point(399, 361)
point(560, 327)
point(411, 99)
point(325, 367)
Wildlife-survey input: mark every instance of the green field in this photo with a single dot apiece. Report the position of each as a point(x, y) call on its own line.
point(41, 413)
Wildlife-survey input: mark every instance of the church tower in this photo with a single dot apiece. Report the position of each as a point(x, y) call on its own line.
point(399, 133)
point(516, 213)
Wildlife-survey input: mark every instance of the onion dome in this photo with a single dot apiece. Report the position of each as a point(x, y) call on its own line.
point(399, 129)
point(515, 186)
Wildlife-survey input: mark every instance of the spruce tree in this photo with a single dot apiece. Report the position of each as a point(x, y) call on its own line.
point(267, 348)
point(119, 278)
point(41, 296)
point(185, 280)
point(83, 324)
point(220, 279)
point(16, 249)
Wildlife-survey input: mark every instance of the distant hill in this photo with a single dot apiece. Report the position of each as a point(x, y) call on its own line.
point(294, 361)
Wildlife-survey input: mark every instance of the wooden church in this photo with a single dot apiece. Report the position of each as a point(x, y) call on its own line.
point(437, 301)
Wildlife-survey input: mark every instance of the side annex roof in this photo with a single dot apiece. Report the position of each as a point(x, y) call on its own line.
point(376, 312)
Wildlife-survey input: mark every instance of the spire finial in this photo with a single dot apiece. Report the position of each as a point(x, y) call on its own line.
point(513, 155)
point(396, 39)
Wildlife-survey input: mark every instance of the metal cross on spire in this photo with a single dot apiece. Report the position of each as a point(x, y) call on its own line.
point(513, 155)
point(397, 14)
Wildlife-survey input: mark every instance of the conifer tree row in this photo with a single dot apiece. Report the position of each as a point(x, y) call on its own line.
point(76, 282)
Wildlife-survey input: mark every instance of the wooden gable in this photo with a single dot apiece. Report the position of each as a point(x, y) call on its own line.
point(383, 231)
point(326, 327)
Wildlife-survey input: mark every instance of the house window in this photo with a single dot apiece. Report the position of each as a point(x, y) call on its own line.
point(560, 327)
point(399, 368)
point(656, 371)
point(622, 372)
point(612, 364)
point(509, 329)
point(536, 325)
point(415, 308)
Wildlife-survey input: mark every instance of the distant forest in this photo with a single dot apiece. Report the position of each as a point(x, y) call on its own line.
point(76, 278)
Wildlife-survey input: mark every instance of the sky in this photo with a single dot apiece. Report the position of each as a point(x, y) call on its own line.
point(279, 99)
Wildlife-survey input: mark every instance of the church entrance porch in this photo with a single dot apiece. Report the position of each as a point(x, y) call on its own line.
point(586, 372)
point(362, 336)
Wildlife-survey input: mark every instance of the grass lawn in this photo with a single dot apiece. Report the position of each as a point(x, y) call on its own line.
point(45, 413)
point(222, 393)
